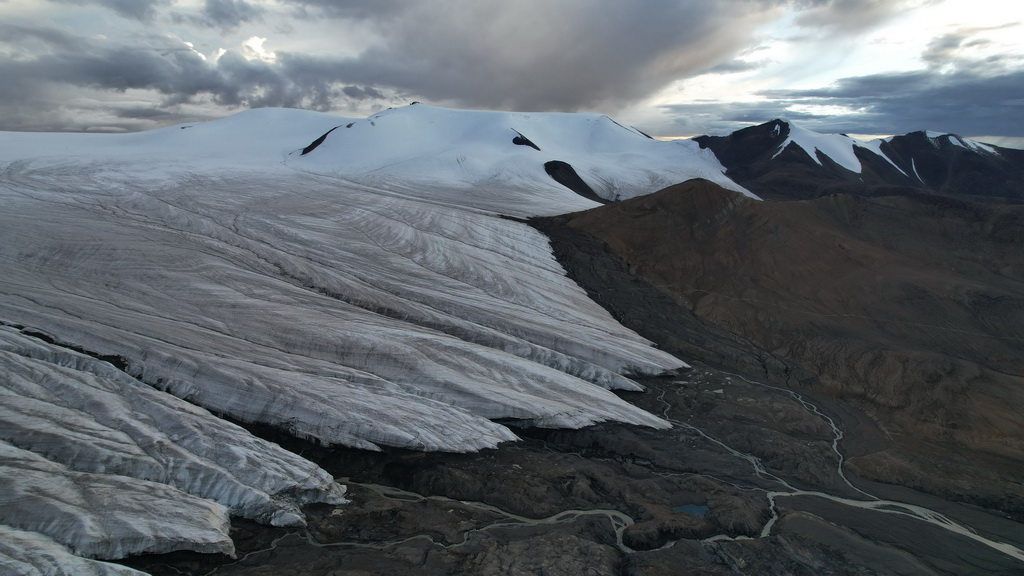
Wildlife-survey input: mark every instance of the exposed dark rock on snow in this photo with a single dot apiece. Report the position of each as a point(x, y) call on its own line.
point(521, 140)
point(564, 174)
point(313, 145)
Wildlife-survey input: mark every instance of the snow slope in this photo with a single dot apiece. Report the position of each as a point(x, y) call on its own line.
point(418, 145)
point(957, 140)
point(443, 146)
point(838, 147)
point(378, 290)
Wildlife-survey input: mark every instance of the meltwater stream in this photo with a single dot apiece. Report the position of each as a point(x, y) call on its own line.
point(495, 518)
point(619, 522)
point(875, 504)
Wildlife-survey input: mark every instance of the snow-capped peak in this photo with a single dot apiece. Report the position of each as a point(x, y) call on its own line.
point(960, 141)
point(838, 147)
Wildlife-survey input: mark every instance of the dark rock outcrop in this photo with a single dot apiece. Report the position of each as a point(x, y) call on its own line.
point(521, 140)
point(313, 145)
point(565, 174)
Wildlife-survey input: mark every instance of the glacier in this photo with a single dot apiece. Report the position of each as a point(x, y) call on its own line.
point(32, 554)
point(380, 289)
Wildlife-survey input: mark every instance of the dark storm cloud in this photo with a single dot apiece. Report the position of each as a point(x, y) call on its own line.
point(99, 63)
point(158, 64)
point(536, 55)
point(142, 10)
point(527, 55)
point(965, 103)
point(567, 55)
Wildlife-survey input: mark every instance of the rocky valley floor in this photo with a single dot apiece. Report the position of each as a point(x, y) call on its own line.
point(747, 481)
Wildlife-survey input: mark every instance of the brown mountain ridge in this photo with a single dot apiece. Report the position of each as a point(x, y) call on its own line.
point(910, 307)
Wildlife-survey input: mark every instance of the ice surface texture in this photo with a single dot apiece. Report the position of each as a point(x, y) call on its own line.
point(371, 292)
point(32, 554)
point(109, 467)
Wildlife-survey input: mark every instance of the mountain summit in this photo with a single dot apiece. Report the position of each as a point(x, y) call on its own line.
point(781, 160)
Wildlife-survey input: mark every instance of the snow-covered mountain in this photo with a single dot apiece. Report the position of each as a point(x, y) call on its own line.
point(362, 282)
point(428, 144)
point(782, 160)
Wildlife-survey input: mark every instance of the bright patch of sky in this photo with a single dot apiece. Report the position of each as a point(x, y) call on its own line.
point(944, 36)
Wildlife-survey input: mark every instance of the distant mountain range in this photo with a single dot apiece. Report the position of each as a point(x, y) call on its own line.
point(782, 161)
point(384, 283)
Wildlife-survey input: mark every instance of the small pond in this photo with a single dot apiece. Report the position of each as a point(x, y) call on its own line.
point(692, 509)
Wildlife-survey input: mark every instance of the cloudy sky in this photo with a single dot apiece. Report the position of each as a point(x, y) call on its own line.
point(671, 68)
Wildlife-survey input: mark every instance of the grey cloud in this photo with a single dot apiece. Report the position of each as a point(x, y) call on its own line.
point(943, 49)
point(567, 55)
point(34, 40)
point(715, 117)
point(230, 11)
point(354, 9)
point(963, 102)
point(223, 14)
point(143, 10)
point(850, 16)
point(146, 113)
point(160, 65)
point(535, 55)
point(362, 93)
point(527, 55)
point(735, 66)
point(946, 49)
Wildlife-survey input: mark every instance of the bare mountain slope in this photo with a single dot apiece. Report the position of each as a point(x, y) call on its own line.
point(909, 306)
